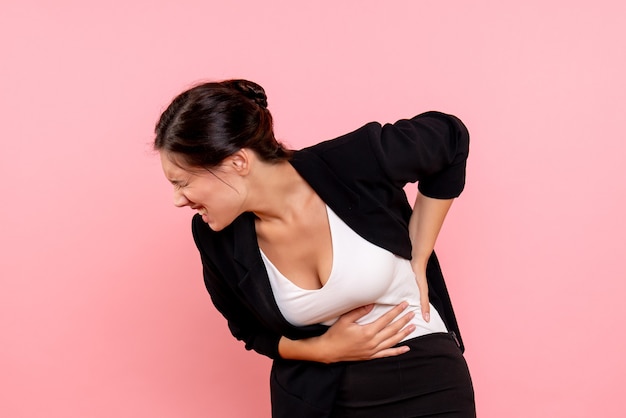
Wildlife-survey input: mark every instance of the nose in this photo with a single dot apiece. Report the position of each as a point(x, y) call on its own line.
point(180, 200)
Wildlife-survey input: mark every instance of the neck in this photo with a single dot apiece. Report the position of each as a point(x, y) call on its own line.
point(279, 192)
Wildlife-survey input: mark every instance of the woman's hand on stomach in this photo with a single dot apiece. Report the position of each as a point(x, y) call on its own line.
point(346, 340)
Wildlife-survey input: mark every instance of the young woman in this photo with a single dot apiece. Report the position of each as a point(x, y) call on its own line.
point(315, 257)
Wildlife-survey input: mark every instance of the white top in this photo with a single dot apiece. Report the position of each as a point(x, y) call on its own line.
point(362, 273)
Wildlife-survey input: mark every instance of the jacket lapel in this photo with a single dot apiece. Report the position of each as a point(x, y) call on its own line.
point(362, 213)
point(255, 285)
point(252, 276)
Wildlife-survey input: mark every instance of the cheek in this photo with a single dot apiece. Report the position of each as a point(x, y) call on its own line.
point(209, 199)
point(217, 197)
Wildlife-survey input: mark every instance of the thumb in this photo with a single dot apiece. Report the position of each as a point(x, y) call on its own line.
point(422, 284)
point(357, 313)
point(425, 304)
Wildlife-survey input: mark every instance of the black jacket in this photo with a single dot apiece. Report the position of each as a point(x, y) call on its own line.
point(361, 176)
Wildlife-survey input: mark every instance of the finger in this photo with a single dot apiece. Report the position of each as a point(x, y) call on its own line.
point(422, 284)
point(356, 314)
point(388, 317)
point(390, 352)
point(387, 348)
point(425, 304)
point(395, 332)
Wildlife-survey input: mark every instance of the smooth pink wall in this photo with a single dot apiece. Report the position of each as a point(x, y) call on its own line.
point(102, 307)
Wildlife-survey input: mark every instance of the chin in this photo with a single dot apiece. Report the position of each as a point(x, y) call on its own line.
point(215, 226)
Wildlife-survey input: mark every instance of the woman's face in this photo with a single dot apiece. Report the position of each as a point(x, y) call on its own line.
point(217, 194)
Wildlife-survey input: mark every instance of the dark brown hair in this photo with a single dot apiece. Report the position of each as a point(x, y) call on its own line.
point(212, 121)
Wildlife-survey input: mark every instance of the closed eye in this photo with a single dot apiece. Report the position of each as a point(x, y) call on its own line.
point(178, 185)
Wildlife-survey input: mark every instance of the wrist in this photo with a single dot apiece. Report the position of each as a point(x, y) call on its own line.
point(309, 349)
point(419, 261)
point(319, 350)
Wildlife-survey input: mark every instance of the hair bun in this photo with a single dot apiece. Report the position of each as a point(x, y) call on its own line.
point(251, 90)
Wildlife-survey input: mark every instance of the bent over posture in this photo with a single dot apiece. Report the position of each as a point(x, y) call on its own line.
point(316, 258)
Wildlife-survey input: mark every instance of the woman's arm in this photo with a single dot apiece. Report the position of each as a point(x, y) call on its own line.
point(424, 226)
point(344, 341)
point(348, 341)
point(431, 148)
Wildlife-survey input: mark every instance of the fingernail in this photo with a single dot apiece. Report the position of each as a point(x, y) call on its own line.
point(427, 317)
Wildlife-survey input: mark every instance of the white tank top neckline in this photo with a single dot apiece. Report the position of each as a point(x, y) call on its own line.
point(362, 273)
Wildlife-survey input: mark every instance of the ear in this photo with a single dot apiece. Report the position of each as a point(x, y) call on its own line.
point(241, 161)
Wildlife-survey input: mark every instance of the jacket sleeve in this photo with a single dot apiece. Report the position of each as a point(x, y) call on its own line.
point(243, 324)
point(431, 148)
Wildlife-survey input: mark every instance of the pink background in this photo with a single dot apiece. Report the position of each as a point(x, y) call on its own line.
point(102, 307)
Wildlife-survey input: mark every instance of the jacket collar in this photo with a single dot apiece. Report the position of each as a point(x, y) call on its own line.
point(364, 215)
point(342, 200)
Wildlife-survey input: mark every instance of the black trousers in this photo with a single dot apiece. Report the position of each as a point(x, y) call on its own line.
point(430, 380)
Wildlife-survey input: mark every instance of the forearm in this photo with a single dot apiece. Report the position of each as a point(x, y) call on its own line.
point(424, 226)
point(308, 349)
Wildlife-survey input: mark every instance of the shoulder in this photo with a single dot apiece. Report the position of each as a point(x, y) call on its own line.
point(427, 124)
point(347, 156)
point(431, 147)
point(346, 141)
